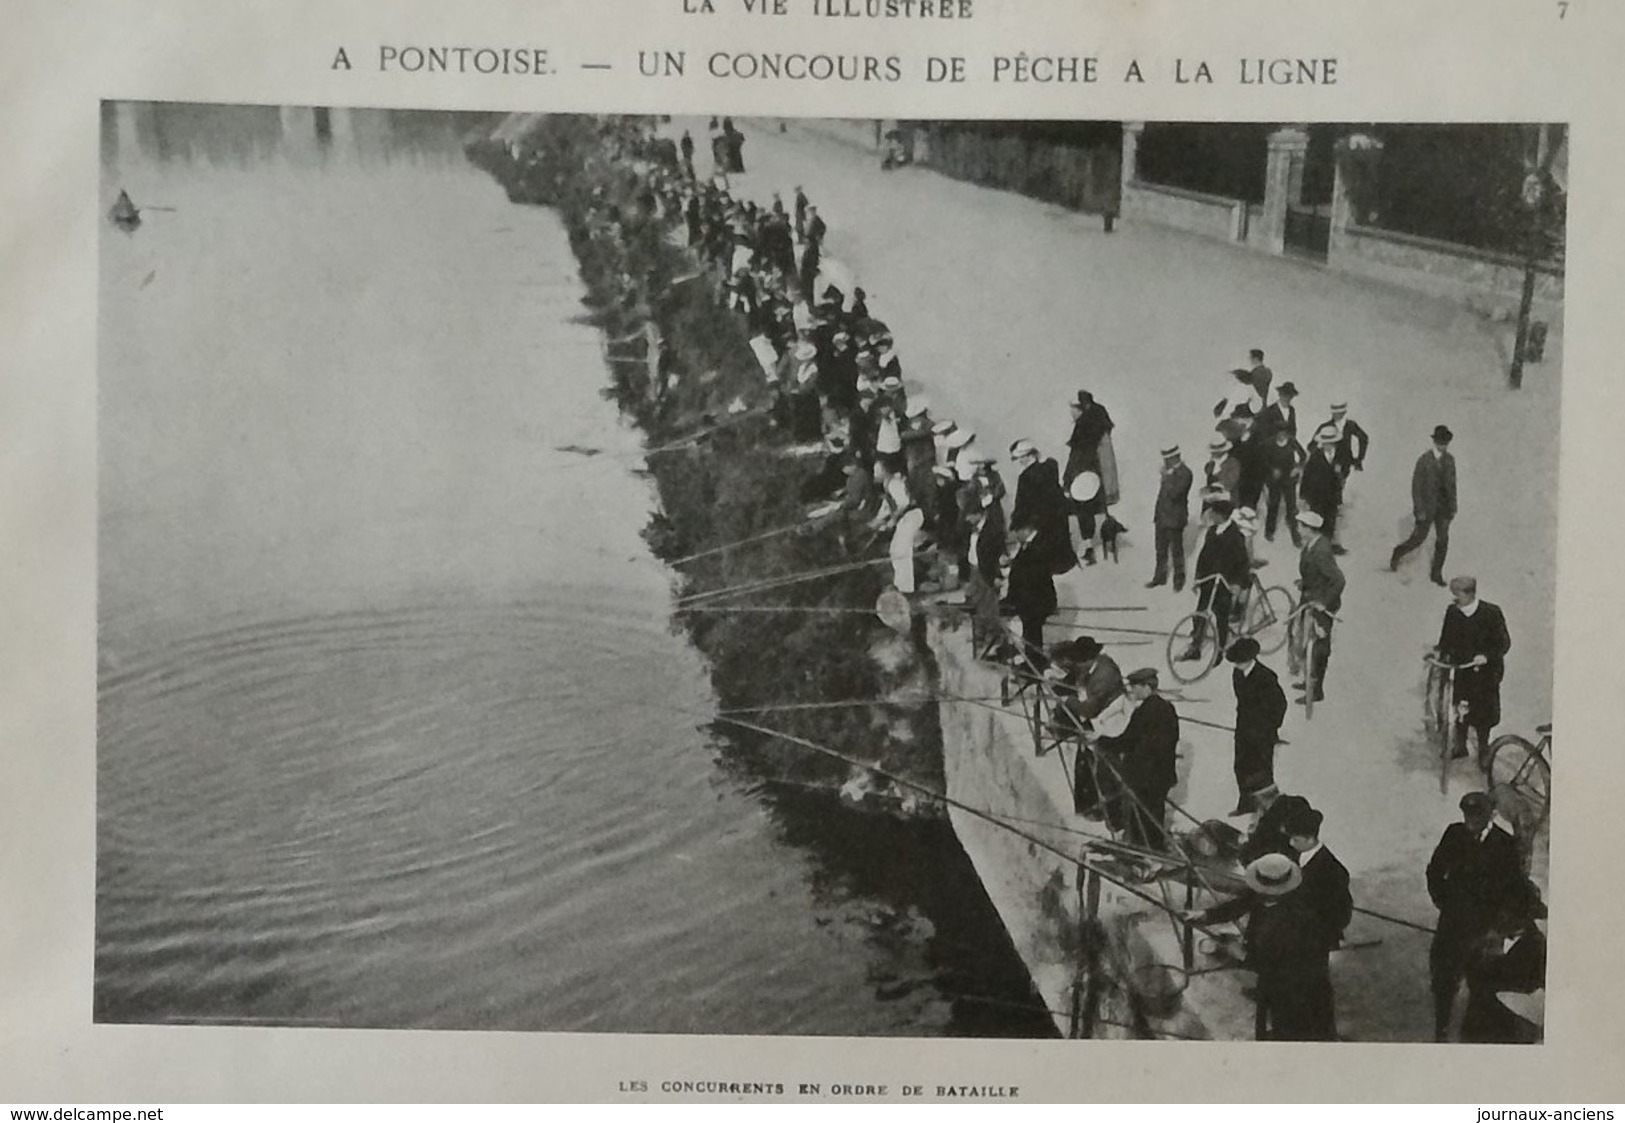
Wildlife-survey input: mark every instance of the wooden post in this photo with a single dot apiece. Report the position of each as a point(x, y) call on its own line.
point(1187, 941)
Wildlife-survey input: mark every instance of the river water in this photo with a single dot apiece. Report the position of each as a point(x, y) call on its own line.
point(394, 728)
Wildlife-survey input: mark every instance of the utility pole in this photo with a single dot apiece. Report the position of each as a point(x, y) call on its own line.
point(1534, 190)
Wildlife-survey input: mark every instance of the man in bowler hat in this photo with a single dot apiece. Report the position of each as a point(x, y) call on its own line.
point(1433, 503)
point(1260, 709)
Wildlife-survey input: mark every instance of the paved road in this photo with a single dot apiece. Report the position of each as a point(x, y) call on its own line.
point(1003, 307)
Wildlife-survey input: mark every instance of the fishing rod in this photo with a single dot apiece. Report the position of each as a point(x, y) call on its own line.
point(725, 547)
point(792, 579)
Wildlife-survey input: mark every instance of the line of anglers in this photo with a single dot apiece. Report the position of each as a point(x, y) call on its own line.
point(890, 466)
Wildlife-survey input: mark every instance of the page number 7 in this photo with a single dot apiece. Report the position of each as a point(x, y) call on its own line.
point(1562, 9)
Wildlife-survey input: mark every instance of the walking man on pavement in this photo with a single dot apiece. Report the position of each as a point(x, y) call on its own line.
point(1320, 582)
point(1352, 441)
point(1475, 640)
point(1473, 875)
point(1321, 488)
point(1260, 710)
point(1170, 517)
point(1433, 503)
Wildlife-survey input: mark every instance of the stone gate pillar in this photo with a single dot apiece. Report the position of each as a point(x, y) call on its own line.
point(1283, 183)
point(1130, 171)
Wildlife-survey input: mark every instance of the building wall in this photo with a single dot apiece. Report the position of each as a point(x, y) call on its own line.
point(1442, 268)
point(1212, 216)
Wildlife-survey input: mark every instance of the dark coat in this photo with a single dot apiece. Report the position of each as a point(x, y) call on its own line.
point(1433, 487)
point(1286, 948)
point(1147, 750)
point(1249, 454)
point(1282, 462)
point(1351, 447)
point(1520, 967)
point(1224, 552)
point(1471, 881)
point(1320, 575)
point(1041, 504)
point(1461, 639)
point(1097, 685)
point(1173, 509)
point(1270, 834)
point(1083, 445)
point(1226, 474)
point(1277, 416)
point(1032, 584)
point(1325, 889)
point(1321, 488)
point(1261, 376)
point(1260, 704)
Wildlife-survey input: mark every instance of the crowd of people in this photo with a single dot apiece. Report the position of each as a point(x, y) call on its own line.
point(891, 467)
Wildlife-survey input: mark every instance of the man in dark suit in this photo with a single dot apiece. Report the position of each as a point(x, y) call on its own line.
point(1433, 503)
point(1321, 488)
point(1041, 504)
point(1091, 424)
point(1260, 710)
point(1222, 471)
point(1286, 948)
point(1473, 875)
point(1325, 879)
point(1269, 833)
point(1320, 583)
point(1280, 414)
point(1031, 590)
point(1352, 441)
point(1170, 517)
point(1223, 555)
point(1145, 759)
point(1475, 639)
point(1258, 374)
point(1282, 460)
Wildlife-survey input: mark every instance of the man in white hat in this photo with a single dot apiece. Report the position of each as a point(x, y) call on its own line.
point(1170, 516)
point(1222, 470)
point(1320, 580)
point(1352, 441)
point(1321, 488)
point(1287, 949)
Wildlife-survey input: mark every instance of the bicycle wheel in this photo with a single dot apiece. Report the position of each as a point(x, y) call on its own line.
point(1311, 642)
point(1517, 769)
point(1195, 636)
point(1267, 618)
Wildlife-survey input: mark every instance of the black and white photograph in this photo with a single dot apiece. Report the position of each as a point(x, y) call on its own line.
point(750, 575)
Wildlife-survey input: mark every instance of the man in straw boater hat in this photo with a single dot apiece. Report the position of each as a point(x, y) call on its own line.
point(1041, 504)
point(1260, 709)
point(1222, 471)
point(1320, 583)
point(1321, 487)
point(1144, 757)
point(1285, 947)
point(1170, 516)
point(1433, 503)
point(1352, 441)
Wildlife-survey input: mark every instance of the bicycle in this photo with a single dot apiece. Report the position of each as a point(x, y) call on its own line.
point(1441, 714)
point(1259, 612)
point(1520, 776)
point(1306, 637)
